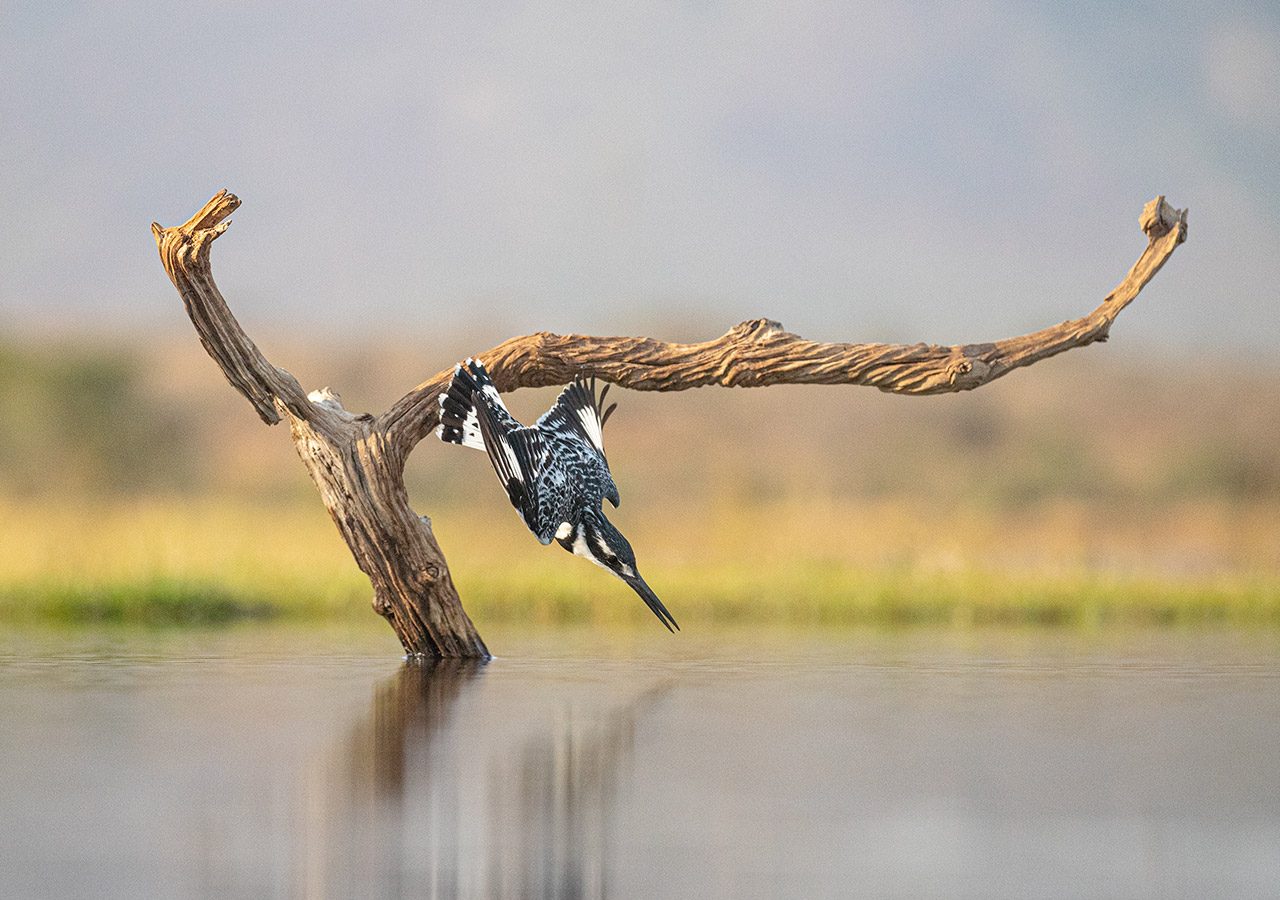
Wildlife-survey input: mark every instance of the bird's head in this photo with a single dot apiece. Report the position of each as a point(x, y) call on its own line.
point(610, 548)
point(606, 546)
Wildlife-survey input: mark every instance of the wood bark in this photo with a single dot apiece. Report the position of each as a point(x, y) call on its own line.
point(357, 461)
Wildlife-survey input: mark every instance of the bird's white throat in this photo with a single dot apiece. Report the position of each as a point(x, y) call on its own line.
point(583, 549)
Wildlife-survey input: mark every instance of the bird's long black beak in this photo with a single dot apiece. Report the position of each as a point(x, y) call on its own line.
point(651, 600)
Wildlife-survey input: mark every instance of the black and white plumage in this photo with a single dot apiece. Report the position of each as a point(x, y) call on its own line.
point(555, 472)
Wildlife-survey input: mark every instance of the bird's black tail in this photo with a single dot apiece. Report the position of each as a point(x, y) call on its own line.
point(458, 422)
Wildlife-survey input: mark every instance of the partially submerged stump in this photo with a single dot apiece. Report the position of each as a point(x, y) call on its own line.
point(357, 460)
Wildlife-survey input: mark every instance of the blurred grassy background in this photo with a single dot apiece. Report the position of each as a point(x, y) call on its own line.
point(1098, 487)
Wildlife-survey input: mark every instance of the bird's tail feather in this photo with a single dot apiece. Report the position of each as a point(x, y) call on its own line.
point(458, 422)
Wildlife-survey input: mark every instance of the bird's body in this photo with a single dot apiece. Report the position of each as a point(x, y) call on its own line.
point(554, 472)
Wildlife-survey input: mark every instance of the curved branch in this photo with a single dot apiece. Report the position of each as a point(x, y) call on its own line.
point(758, 353)
point(184, 249)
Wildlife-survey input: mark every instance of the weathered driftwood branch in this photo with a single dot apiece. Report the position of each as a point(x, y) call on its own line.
point(357, 461)
point(360, 483)
point(759, 353)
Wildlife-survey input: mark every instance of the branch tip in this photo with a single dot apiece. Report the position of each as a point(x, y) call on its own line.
point(1159, 218)
point(219, 207)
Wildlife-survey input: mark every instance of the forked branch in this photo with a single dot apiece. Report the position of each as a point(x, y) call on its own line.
point(357, 462)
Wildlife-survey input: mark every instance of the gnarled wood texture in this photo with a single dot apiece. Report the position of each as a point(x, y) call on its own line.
point(357, 461)
point(360, 482)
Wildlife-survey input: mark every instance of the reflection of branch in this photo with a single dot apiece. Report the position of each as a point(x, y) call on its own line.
point(410, 708)
point(564, 801)
point(416, 804)
point(353, 830)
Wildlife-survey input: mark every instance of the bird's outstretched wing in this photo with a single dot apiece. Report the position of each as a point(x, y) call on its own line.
point(579, 410)
point(577, 413)
point(518, 456)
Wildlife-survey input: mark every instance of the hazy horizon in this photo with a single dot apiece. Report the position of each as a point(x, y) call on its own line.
point(896, 172)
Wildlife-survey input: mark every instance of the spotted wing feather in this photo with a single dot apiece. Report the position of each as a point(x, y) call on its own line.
point(577, 415)
point(578, 409)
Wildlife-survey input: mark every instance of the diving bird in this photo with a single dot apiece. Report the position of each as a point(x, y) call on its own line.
point(555, 473)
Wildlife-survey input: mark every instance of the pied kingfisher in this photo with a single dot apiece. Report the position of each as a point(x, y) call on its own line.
point(555, 473)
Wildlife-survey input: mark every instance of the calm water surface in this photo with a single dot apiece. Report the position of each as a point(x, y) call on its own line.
point(278, 762)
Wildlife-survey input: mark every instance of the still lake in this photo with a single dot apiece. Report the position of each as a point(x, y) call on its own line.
point(281, 761)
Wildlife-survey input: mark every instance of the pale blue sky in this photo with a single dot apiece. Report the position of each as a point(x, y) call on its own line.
point(878, 171)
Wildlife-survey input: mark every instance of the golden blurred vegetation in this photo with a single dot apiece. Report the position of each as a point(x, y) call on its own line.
point(1095, 488)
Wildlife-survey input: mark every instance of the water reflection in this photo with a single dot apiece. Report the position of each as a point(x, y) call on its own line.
point(509, 799)
point(912, 765)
